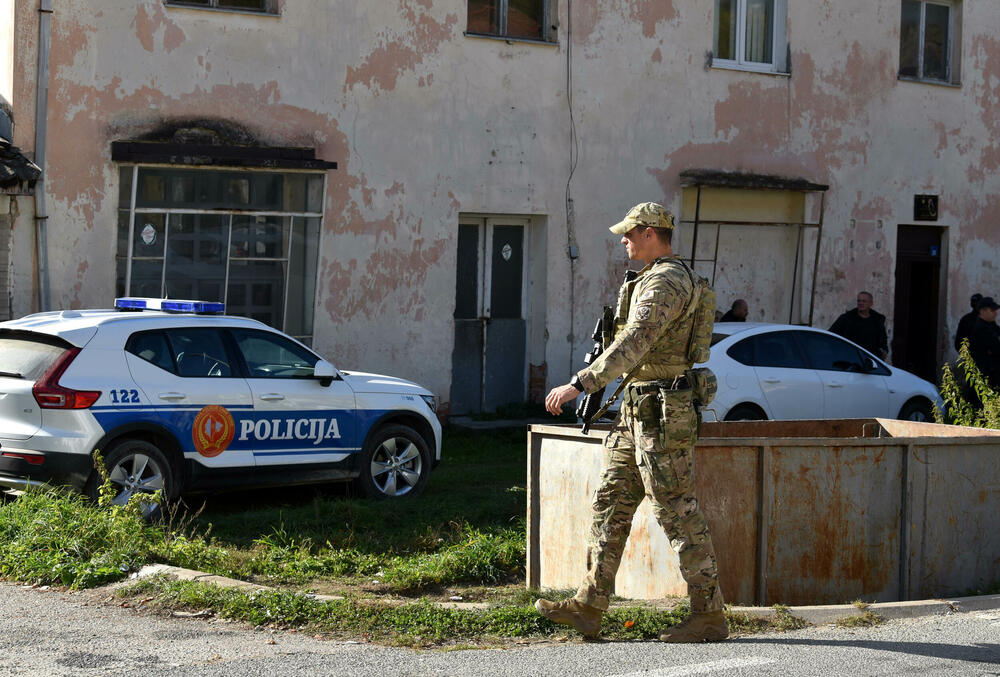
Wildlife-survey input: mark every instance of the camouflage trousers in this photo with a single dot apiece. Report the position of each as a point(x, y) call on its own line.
point(649, 454)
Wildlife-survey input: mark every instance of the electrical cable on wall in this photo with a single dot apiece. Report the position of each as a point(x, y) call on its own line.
point(572, 249)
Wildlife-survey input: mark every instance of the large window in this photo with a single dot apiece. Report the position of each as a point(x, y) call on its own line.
point(926, 38)
point(518, 19)
point(264, 6)
point(250, 239)
point(750, 35)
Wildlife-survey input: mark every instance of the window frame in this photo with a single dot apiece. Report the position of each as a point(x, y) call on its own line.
point(779, 42)
point(503, 6)
point(952, 70)
point(128, 197)
point(270, 7)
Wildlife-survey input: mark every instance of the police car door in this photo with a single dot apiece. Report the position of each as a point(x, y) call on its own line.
point(197, 391)
point(297, 418)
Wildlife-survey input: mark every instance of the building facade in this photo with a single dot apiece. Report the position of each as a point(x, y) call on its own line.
point(423, 187)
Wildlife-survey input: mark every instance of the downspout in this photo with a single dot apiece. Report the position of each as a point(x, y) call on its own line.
point(41, 115)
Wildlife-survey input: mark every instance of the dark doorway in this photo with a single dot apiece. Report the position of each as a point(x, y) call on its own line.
point(915, 334)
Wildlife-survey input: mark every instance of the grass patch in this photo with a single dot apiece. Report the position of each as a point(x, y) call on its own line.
point(52, 537)
point(866, 619)
point(467, 528)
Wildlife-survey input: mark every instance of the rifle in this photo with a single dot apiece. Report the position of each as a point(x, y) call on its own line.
point(591, 406)
point(591, 403)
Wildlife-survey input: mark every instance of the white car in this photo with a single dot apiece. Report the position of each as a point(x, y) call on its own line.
point(781, 371)
point(180, 398)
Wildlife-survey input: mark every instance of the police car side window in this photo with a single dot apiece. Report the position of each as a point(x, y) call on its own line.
point(152, 347)
point(200, 353)
point(268, 355)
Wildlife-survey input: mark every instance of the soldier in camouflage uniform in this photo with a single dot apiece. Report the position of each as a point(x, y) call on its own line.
point(649, 450)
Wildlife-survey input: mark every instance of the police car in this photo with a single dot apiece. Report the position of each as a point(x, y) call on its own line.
point(180, 398)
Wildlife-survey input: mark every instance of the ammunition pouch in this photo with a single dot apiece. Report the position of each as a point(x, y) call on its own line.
point(703, 385)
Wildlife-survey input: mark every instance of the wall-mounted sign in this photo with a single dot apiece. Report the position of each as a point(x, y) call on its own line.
point(925, 207)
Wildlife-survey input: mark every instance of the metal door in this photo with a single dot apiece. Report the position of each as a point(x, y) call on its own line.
point(488, 361)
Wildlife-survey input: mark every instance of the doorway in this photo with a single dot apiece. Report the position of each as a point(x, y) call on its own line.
point(489, 358)
point(916, 326)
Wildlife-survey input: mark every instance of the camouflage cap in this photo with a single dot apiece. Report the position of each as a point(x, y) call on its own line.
point(645, 214)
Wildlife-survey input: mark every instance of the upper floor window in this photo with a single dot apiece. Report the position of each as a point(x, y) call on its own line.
point(926, 38)
point(515, 19)
point(264, 6)
point(750, 35)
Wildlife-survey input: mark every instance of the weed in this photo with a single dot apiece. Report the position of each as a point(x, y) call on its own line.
point(52, 537)
point(968, 397)
point(784, 621)
point(865, 619)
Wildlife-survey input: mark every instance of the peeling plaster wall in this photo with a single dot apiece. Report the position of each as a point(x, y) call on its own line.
point(427, 123)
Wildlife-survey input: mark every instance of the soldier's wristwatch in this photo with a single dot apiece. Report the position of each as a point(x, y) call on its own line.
point(575, 382)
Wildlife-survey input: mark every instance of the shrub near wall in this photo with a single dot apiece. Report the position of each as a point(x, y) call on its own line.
point(969, 400)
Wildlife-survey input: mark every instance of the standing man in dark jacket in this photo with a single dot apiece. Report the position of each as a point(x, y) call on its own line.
point(968, 321)
point(864, 326)
point(984, 344)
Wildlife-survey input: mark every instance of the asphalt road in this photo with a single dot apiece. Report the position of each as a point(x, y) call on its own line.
point(49, 632)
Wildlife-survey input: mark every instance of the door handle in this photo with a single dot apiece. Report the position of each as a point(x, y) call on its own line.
point(272, 396)
point(172, 396)
point(772, 379)
point(834, 384)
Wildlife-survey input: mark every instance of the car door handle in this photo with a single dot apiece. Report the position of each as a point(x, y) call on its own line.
point(772, 379)
point(272, 396)
point(172, 396)
point(834, 384)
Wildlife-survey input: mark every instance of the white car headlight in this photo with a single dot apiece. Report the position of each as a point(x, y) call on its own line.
point(431, 402)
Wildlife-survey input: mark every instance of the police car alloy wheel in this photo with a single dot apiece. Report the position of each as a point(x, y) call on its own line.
point(395, 463)
point(136, 467)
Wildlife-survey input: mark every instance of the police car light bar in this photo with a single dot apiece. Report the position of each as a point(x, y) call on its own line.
point(170, 305)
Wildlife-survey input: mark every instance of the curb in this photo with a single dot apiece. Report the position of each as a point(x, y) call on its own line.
point(814, 615)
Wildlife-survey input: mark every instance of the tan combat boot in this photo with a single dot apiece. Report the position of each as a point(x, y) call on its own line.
point(583, 617)
point(709, 626)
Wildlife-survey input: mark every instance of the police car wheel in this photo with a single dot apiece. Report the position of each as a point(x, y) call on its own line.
point(395, 463)
point(137, 467)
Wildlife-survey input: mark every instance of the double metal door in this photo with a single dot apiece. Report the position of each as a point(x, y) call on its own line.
point(488, 362)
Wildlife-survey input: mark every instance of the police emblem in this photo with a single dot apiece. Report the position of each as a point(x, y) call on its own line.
point(213, 430)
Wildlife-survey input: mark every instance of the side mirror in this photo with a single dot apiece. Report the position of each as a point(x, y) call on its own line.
point(870, 365)
point(325, 373)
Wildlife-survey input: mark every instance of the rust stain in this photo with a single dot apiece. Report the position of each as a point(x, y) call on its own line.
point(384, 65)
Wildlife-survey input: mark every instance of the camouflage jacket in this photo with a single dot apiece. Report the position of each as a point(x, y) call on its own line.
point(652, 327)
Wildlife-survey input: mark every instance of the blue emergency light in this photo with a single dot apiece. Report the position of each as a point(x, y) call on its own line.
point(170, 305)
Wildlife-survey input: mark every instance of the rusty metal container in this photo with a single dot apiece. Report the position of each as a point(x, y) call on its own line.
point(801, 512)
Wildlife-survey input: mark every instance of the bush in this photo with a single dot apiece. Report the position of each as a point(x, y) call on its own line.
point(969, 400)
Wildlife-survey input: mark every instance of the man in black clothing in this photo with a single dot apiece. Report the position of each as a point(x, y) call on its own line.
point(738, 313)
point(864, 326)
point(968, 321)
point(984, 344)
